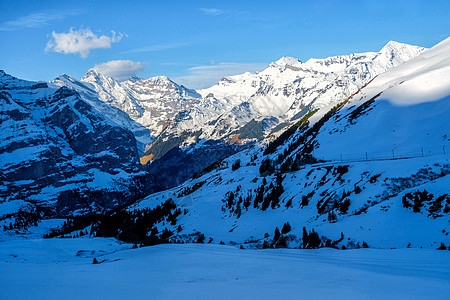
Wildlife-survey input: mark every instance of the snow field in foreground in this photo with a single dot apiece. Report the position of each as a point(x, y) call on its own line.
point(62, 268)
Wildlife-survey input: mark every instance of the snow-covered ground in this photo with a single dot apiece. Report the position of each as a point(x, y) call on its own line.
point(63, 269)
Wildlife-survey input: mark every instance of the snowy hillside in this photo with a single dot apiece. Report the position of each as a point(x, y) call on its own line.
point(346, 174)
point(406, 110)
point(365, 173)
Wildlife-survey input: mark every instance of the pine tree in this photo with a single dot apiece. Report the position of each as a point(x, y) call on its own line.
point(282, 242)
point(417, 203)
point(305, 200)
point(314, 240)
point(286, 228)
point(236, 165)
point(201, 238)
point(276, 234)
point(344, 205)
point(332, 217)
point(305, 238)
point(442, 247)
point(238, 211)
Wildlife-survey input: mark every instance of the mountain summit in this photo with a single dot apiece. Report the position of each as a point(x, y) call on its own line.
point(150, 102)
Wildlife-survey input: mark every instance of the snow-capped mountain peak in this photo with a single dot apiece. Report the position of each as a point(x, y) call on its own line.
point(286, 61)
point(288, 88)
point(396, 46)
point(152, 102)
point(93, 75)
point(418, 80)
point(399, 52)
point(134, 78)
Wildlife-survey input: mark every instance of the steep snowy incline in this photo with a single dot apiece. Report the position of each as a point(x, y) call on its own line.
point(404, 110)
point(423, 79)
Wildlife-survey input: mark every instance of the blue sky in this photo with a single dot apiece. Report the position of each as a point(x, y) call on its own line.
point(197, 42)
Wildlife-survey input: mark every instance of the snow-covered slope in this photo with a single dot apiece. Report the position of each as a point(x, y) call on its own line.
point(59, 154)
point(374, 169)
point(408, 108)
point(247, 107)
point(62, 268)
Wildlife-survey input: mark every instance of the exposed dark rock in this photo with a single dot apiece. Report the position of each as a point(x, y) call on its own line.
point(59, 154)
point(178, 165)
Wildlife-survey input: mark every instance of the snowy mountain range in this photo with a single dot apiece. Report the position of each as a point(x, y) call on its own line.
point(288, 86)
point(350, 148)
point(250, 106)
point(372, 171)
point(175, 126)
point(237, 110)
point(279, 95)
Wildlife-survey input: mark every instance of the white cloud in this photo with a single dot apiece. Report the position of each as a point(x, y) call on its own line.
point(205, 76)
point(80, 41)
point(212, 11)
point(152, 48)
point(36, 20)
point(120, 69)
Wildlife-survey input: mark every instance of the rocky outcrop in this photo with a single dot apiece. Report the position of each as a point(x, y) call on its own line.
point(59, 154)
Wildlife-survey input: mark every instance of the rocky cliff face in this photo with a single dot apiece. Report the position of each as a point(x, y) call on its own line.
point(118, 116)
point(152, 102)
point(179, 165)
point(60, 154)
